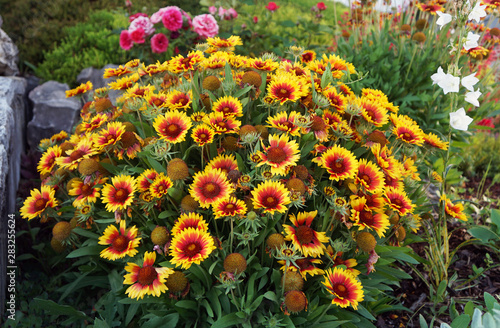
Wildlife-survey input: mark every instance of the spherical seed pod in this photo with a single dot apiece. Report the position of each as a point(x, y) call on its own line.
point(295, 184)
point(211, 83)
point(264, 133)
point(301, 172)
point(421, 24)
point(295, 301)
point(230, 143)
point(65, 146)
point(102, 104)
point(495, 31)
point(177, 169)
point(252, 78)
point(401, 234)
point(275, 241)
point(235, 263)
point(366, 241)
point(247, 129)
point(62, 230)
point(57, 245)
point(189, 204)
point(160, 235)
point(88, 166)
point(405, 28)
point(419, 37)
point(318, 124)
point(176, 282)
point(293, 281)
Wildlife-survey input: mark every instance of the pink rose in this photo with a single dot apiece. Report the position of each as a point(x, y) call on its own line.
point(144, 23)
point(205, 25)
point(212, 10)
point(222, 13)
point(134, 16)
point(255, 19)
point(159, 43)
point(272, 6)
point(172, 18)
point(126, 42)
point(232, 12)
point(137, 35)
point(321, 6)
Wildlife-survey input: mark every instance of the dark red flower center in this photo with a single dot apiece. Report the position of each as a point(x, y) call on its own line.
point(203, 136)
point(318, 124)
point(407, 136)
point(397, 202)
point(211, 190)
point(276, 154)
point(302, 263)
point(147, 275)
point(304, 234)
point(172, 130)
point(157, 102)
point(338, 166)
point(121, 195)
point(86, 190)
point(340, 290)
point(192, 249)
point(366, 217)
point(270, 202)
point(366, 179)
point(283, 93)
point(76, 154)
point(40, 204)
point(120, 243)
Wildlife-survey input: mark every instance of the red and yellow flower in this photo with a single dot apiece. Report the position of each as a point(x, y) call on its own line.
point(398, 200)
point(86, 192)
point(81, 89)
point(48, 160)
point(229, 207)
point(344, 287)
point(280, 154)
point(305, 266)
point(173, 126)
point(285, 122)
point(145, 179)
point(370, 176)
point(122, 242)
point(337, 100)
point(308, 56)
point(38, 202)
point(455, 210)
point(203, 134)
point(229, 106)
point(434, 141)
point(190, 246)
point(285, 88)
point(364, 217)
point(303, 237)
point(146, 279)
point(119, 194)
point(110, 136)
point(222, 124)
point(181, 64)
point(160, 186)
point(225, 163)
point(271, 196)
point(410, 134)
point(340, 163)
point(210, 186)
point(83, 149)
point(189, 220)
point(179, 100)
point(95, 122)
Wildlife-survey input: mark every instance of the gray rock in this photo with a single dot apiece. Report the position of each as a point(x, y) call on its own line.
point(52, 112)
point(95, 75)
point(12, 122)
point(8, 55)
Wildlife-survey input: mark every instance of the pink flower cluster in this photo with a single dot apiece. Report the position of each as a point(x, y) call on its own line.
point(226, 14)
point(173, 19)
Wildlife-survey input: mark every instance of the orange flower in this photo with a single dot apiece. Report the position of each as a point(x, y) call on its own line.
point(340, 163)
point(191, 246)
point(181, 64)
point(210, 186)
point(303, 237)
point(146, 280)
point(370, 176)
point(308, 56)
point(229, 106)
point(410, 134)
point(337, 100)
point(38, 202)
point(222, 124)
point(284, 88)
point(160, 186)
point(398, 200)
point(203, 134)
point(454, 210)
point(285, 122)
point(363, 217)
point(119, 194)
point(344, 287)
point(145, 179)
point(189, 220)
point(48, 159)
point(110, 136)
point(83, 149)
point(179, 100)
point(280, 154)
point(173, 126)
point(226, 163)
point(122, 242)
point(305, 266)
point(271, 196)
point(229, 207)
point(86, 192)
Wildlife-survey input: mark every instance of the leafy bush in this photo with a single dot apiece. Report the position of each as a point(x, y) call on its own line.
point(37, 26)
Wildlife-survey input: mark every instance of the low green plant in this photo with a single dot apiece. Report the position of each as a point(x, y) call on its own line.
point(482, 156)
point(93, 43)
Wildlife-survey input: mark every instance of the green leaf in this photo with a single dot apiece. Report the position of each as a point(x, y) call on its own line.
point(98, 323)
point(423, 323)
point(243, 91)
point(187, 304)
point(88, 250)
point(85, 233)
point(495, 218)
point(461, 321)
point(57, 310)
point(483, 233)
point(228, 74)
point(156, 165)
point(489, 301)
point(227, 321)
point(166, 214)
point(287, 23)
